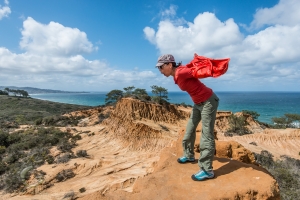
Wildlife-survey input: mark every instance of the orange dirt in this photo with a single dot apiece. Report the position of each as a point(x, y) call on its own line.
point(132, 155)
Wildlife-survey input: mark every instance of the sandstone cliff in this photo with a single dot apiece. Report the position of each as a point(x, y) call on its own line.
point(132, 150)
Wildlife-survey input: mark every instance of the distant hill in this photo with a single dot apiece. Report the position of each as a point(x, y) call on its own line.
point(27, 110)
point(32, 90)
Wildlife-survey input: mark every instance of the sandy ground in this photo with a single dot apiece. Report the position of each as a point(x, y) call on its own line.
point(115, 170)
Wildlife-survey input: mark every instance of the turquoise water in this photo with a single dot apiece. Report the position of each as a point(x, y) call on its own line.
point(267, 104)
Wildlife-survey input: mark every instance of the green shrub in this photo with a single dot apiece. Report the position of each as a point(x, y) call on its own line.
point(3, 167)
point(5, 124)
point(64, 158)
point(77, 137)
point(65, 146)
point(11, 158)
point(38, 121)
point(4, 138)
point(81, 153)
point(254, 114)
point(20, 119)
point(2, 149)
point(64, 175)
point(12, 181)
point(286, 172)
point(237, 126)
point(81, 190)
point(50, 159)
point(253, 143)
point(286, 121)
point(14, 138)
point(70, 195)
point(30, 148)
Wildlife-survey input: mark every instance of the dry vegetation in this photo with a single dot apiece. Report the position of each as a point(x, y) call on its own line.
point(23, 151)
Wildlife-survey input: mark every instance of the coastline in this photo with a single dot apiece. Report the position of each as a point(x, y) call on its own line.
point(267, 104)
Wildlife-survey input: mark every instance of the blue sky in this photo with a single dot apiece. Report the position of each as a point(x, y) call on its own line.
point(89, 45)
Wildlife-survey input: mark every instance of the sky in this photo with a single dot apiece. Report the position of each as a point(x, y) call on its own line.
point(91, 45)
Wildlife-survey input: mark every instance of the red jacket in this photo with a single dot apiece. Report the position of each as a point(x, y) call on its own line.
point(203, 67)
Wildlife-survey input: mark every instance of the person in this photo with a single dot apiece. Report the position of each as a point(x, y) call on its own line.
point(205, 107)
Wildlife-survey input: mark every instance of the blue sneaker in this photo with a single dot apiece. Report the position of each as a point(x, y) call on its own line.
point(202, 175)
point(185, 160)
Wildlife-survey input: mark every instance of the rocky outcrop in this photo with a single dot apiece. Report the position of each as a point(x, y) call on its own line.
point(133, 109)
point(132, 150)
point(170, 180)
point(222, 122)
point(234, 151)
point(132, 122)
point(276, 141)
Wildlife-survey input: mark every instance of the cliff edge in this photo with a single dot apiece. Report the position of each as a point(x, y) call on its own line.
point(132, 150)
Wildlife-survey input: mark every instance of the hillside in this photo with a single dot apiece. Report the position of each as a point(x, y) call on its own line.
point(27, 110)
point(131, 151)
point(32, 90)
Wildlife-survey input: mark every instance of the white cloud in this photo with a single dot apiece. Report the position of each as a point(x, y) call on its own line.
point(53, 59)
point(206, 35)
point(270, 55)
point(274, 45)
point(58, 72)
point(4, 11)
point(150, 34)
point(286, 13)
point(54, 39)
point(171, 12)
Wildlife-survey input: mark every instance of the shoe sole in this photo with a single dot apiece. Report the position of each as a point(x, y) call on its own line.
point(195, 179)
point(188, 161)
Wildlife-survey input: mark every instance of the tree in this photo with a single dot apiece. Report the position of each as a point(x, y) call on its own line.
point(237, 125)
point(141, 94)
point(128, 91)
point(14, 92)
point(254, 114)
point(160, 93)
point(22, 93)
point(113, 96)
point(3, 92)
point(287, 121)
point(7, 90)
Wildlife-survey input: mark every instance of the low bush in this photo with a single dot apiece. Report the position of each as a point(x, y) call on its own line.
point(81, 153)
point(64, 175)
point(22, 149)
point(103, 116)
point(253, 143)
point(286, 172)
point(237, 126)
point(254, 114)
point(70, 195)
point(12, 181)
point(63, 158)
point(58, 121)
point(287, 121)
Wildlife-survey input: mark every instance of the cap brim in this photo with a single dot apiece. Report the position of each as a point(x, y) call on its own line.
point(159, 64)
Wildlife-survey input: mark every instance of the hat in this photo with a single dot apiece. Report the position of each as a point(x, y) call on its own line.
point(167, 58)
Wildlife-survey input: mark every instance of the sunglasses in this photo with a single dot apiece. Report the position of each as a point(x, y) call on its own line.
point(162, 66)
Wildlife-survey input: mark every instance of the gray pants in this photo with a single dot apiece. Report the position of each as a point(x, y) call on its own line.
point(207, 113)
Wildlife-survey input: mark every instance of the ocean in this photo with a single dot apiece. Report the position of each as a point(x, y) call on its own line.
point(267, 104)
